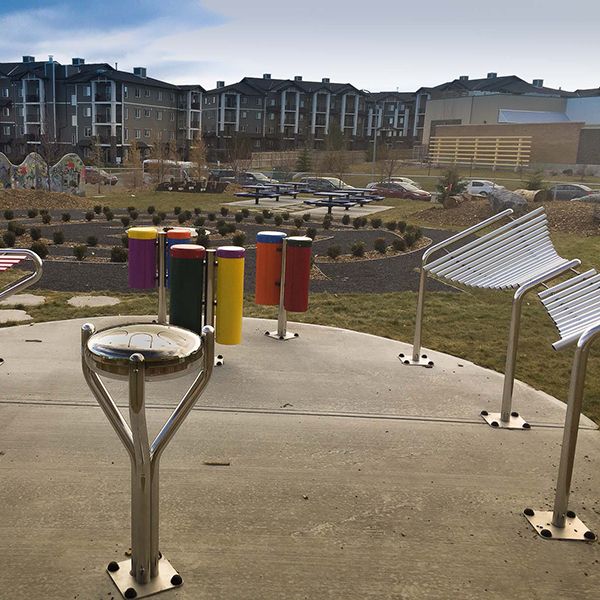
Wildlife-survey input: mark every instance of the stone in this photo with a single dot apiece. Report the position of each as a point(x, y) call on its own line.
point(24, 299)
point(14, 316)
point(500, 199)
point(92, 301)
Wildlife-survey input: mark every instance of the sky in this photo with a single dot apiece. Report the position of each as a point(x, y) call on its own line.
point(378, 45)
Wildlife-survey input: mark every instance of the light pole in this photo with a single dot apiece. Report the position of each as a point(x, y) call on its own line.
point(376, 127)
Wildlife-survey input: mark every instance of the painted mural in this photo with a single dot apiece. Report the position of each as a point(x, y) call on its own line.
point(32, 174)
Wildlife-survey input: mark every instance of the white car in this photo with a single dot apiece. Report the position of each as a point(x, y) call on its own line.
point(395, 180)
point(480, 187)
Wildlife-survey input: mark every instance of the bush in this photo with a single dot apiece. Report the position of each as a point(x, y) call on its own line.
point(89, 215)
point(203, 239)
point(97, 209)
point(65, 217)
point(278, 220)
point(43, 211)
point(9, 238)
point(418, 233)
point(346, 219)
point(32, 213)
point(125, 221)
point(118, 254)
point(306, 217)
point(376, 223)
point(199, 222)
point(79, 252)
point(239, 217)
point(151, 210)
point(326, 223)
point(401, 226)
point(91, 240)
point(285, 215)
point(298, 222)
point(46, 219)
point(399, 244)
point(224, 211)
point(380, 245)
point(130, 209)
point(450, 184)
point(311, 232)
point(358, 249)
point(16, 228)
point(334, 251)
point(535, 181)
point(105, 209)
point(391, 225)
point(181, 218)
point(239, 239)
point(259, 219)
point(223, 231)
point(356, 223)
point(409, 238)
point(231, 228)
point(245, 212)
point(155, 220)
point(134, 215)
point(58, 237)
point(40, 249)
point(266, 213)
point(221, 223)
point(177, 210)
point(109, 215)
point(35, 233)
point(9, 215)
point(125, 241)
point(197, 211)
point(211, 216)
point(162, 215)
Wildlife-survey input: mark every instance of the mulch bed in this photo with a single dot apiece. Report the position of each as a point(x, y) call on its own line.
point(16, 199)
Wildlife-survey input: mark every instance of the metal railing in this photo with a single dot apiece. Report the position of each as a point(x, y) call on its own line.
point(518, 254)
point(10, 257)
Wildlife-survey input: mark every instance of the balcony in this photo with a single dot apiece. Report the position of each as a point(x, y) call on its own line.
point(32, 98)
point(102, 97)
point(195, 124)
point(195, 105)
point(102, 118)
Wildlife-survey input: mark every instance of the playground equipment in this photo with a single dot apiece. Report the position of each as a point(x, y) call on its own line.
point(137, 353)
point(9, 257)
point(574, 306)
point(199, 280)
point(518, 255)
point(282, 276)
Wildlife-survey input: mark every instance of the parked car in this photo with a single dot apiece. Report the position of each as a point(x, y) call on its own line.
point(480, 187)
point(593, 196)
point(253, 178)
point(396, 180)
point(94, 176)
point(324, 184)
point(394, 189)
point(567, 191)
point(222, 175)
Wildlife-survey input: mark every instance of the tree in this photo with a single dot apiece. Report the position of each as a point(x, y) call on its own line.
point(335, 159)
point(51, 152)
point(132, 161)
point(450, 185)
point(304, 162)
point(389, 161)
point(162, 154)
point(535, 181)
point(239, 151)
point(96, 156)
point(197, 155)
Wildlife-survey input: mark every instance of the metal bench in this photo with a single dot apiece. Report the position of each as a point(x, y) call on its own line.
point(517, 255)
point(9, 257)
point(574, 306)
point(258, 196)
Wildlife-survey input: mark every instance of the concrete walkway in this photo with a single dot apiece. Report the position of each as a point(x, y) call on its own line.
point(350, 476)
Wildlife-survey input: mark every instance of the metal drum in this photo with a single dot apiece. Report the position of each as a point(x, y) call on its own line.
point(168, 351)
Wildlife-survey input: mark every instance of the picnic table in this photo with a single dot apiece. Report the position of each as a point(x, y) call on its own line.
point(330, 203)
point(360, 199)
point(284, 189)
point(258, 192)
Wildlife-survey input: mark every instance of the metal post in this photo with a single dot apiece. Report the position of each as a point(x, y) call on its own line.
point(210, 295)
point(281, 333)
point(563, 524)
point(162, 276)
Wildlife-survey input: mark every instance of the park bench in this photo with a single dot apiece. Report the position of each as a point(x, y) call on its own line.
point(10, 257)
point(574, 307)
point(517, 255)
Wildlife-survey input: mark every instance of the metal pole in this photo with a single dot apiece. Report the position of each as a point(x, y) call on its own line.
point(140, 477)
point(511, 356)
point(209, 304)
point(282, 314)
point(162, 275)
point(419, 319)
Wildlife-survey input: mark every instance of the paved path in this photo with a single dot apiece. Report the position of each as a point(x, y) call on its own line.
point(350, 476)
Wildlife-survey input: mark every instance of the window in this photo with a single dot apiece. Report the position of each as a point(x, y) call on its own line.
point(138, 93)
point(20, 92)
point(87, 132)
point(5, 92)
point(172, 96)
point(159, 115)
point(87, 90)
point(159, 95)
point(244, 115)
point(172, 116)
point(172, 136)
point(244, 100)
point(73, 120)
point(272, 102)
point(272, 116)
point(126, 134)
point(6, 129)
point(259, 102)
point(146, 133)
point(138, 134)
point(257, 130)
point(87, 111)
point(19, 111)
point(124, 91)
point(258, 116)
point(126, 113)
point(138, 113)
point(6, 111)
point(147, 93)
point(147, 112)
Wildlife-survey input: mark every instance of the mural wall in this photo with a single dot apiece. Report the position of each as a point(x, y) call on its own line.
point(67, 175)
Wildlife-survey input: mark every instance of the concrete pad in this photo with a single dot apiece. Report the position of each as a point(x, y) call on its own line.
point(338, 211)
point(93, 301)
point(350, 476)
point(24, 299)
point(14, 316)
point(271, 203)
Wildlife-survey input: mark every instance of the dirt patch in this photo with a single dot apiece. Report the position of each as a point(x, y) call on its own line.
point(40, 199)
point(563, 216)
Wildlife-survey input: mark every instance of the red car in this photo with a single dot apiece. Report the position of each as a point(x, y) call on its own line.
point(393, 189)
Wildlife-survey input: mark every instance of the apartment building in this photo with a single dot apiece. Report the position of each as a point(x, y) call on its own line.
point(79, 105)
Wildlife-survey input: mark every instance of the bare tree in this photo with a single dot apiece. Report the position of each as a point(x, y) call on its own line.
point(132, 161)
point(239, 151)
point(197, 156)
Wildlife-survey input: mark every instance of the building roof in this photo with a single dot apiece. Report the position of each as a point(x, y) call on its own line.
point(587, 93)
point(258, 86)
point(506, 115)
point(402, 96)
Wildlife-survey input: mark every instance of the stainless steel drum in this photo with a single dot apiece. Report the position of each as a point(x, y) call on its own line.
point(167, 350)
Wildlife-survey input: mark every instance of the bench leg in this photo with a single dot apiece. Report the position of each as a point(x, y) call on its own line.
point(417, 359)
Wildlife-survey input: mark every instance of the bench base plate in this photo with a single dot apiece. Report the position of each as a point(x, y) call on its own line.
point(285, 336)
point(422, 362)
point(515, 421)
point(574, 529)
point(124, 580)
